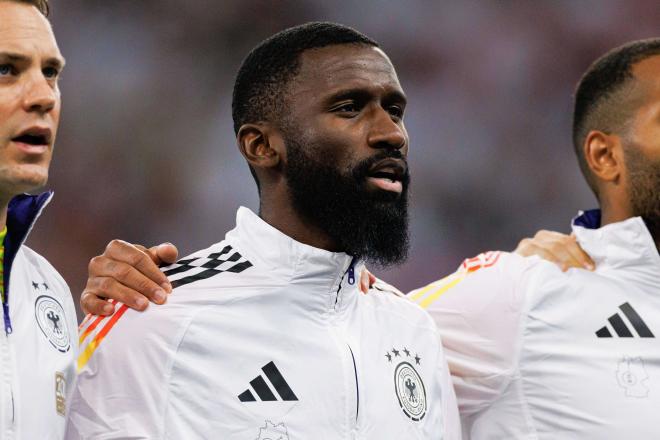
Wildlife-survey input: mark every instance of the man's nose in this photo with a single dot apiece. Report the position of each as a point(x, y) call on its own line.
point(39, 95)
point(386, 132)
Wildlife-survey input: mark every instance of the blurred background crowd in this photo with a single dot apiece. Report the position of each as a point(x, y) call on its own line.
point(146, 150)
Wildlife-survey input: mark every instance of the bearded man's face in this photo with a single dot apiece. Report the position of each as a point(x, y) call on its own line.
point(644, 188)
point(363, 221)
point(346, 148)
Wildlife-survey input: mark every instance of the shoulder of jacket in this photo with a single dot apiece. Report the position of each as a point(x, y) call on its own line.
point(382, 286)
point(222, 262)
point(498, 265)
point(27, 256)
point(488, 271)
point(395, 301)
point(34, 258)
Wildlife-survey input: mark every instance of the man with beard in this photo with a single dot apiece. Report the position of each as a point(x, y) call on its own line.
point(268, 335)
point(539, 353)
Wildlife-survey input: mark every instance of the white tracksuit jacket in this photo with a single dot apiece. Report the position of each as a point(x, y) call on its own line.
point(264, 338)
point(38, 341)
point(541, 354)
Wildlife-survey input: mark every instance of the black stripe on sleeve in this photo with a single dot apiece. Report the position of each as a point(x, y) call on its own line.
point(192, 278)
point(239, 267)
point(604, 333)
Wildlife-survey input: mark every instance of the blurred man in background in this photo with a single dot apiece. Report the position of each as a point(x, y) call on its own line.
point(537, 352)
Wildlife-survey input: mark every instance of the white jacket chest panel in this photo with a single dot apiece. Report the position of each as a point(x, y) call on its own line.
point(577, 381)
point(333, 378)
point(43, 346)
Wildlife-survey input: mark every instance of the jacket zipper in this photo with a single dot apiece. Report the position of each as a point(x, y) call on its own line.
point(5, 313)
point(350, 278)
point(357, 386)
point(7, 395)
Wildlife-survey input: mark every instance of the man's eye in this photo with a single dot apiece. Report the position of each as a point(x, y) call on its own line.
point(5, 69)
point(349, 107)
point(51, 72)
point(395, 111)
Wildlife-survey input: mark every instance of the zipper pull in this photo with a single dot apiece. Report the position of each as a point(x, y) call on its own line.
point(5, 310)
point(351, 273)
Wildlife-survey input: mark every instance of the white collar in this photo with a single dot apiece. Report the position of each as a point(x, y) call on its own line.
point(294, 262)
point(626, 246)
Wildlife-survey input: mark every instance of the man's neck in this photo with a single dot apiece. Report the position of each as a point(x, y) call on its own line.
point(283, 217)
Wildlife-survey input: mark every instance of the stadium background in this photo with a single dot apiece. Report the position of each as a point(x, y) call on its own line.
point(146, 151)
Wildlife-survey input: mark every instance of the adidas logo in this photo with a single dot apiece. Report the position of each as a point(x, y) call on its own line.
point(622, 326)
point(264, 391)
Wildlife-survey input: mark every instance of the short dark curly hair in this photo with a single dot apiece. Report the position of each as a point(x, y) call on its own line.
point(41, 5)
point(262, 80)
point(602, 101)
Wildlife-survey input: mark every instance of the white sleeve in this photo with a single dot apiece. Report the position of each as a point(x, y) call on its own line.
point(123, 365)
point(478, 310)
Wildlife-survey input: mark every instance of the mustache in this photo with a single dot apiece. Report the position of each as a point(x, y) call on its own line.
point(361, 170)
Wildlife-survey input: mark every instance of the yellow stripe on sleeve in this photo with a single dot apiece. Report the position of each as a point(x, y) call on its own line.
point(427, 295)
point(430, 299)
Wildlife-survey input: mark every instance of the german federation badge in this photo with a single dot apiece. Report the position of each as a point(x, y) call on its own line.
point(408, 384)
point(52, 322)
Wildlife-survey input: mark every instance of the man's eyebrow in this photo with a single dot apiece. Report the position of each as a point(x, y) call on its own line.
point(362, 93)
point(14, 57)
point(56, 62)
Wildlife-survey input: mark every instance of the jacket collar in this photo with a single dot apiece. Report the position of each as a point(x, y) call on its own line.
point(625, 246)
point(22, 213)
point(297, 263)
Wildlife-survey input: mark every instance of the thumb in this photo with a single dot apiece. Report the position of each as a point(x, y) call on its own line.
point(167, 253)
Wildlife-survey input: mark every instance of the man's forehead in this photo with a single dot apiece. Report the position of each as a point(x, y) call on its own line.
point(24, 28)
point(645, 88)
point(648, 70)
point(338, 66)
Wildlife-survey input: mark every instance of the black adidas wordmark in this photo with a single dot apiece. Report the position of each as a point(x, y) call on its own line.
point(216, 263)
point(621, 328)
point(262, 389)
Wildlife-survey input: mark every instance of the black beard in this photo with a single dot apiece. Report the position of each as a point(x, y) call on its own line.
point(369, 225)
point(644, 189)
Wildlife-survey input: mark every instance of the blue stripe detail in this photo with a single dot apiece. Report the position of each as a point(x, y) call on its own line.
point(22, 212)
point(588, 219)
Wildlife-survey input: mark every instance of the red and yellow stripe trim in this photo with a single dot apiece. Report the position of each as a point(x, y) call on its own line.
point(429, 294)
point(104, 324)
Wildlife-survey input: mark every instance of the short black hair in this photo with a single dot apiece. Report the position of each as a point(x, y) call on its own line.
point(601, 101)
point(262, 80)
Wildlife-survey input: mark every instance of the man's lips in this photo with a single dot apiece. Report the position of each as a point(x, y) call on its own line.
point(34, 140)
point(388, 175)
point(386, 184)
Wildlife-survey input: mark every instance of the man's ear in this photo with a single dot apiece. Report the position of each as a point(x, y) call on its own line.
point(260, 145)
point(604, 155)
